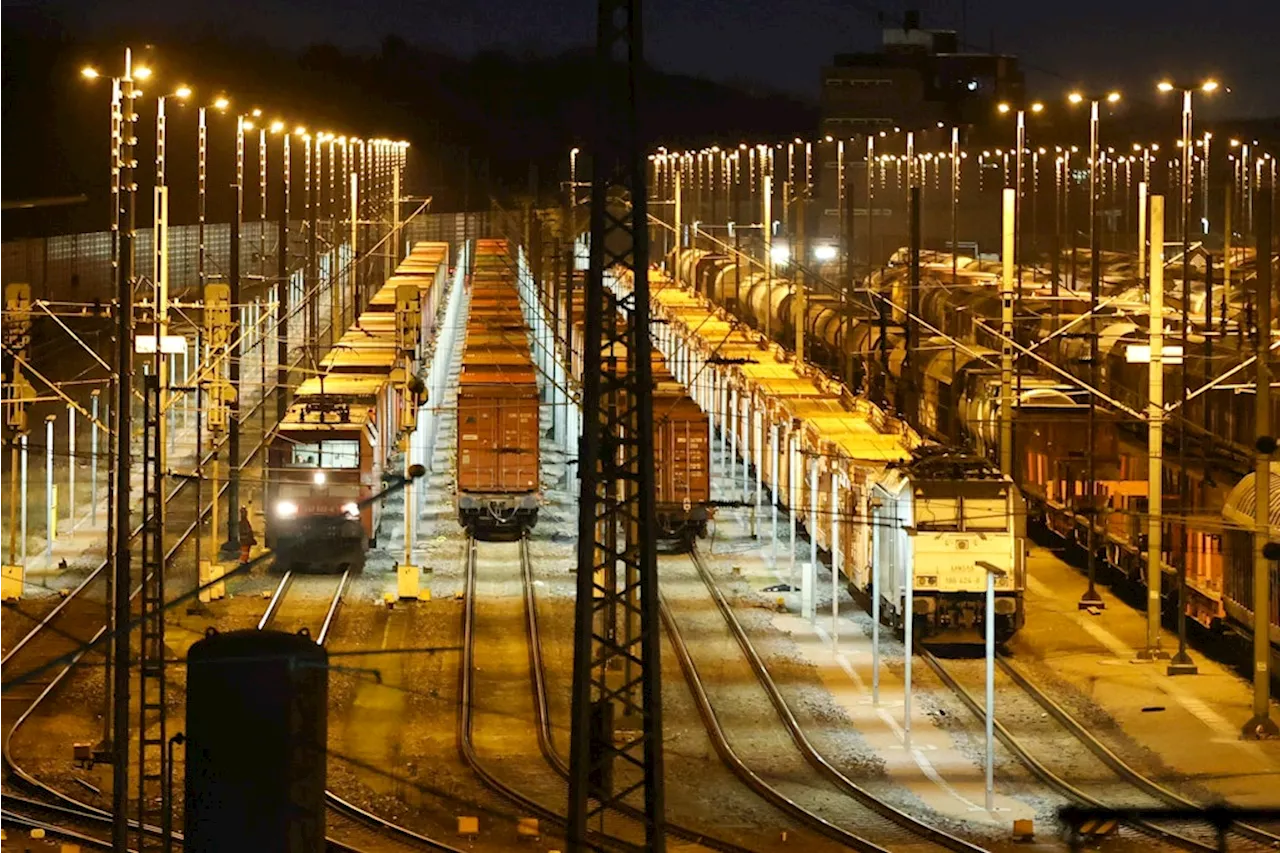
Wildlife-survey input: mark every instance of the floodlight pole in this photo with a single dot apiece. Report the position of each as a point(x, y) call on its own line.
point(1155, 436)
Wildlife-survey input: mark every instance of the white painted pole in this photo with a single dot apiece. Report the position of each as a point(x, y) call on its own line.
point(792, 507)
point(48, 487)
point(1155, 432)
point(1142, 231)
point(71, 466)
point(1006, 331)
point(732, 421)
point(742, 421)
point(773, 496)
point(22, 441)
point(835, 561)
point(811, 576)
point(758, 430)
point(908, 618)
point(876, 558)
point(93, 462)
point(990, 707)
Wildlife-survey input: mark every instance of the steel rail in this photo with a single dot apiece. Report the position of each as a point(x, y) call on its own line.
point(801, 740)
point(276, 597)
point(537, 674)
point(1114, 762)
point(731, 759)
point(466, 695)
point(1043, 773)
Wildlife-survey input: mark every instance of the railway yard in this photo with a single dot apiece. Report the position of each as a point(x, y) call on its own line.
point(787, 722)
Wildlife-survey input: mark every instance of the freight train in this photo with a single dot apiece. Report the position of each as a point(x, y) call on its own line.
point(681, 441)
point(955, 374)
point(329, 452)
point(497, 464)
point(835, 460)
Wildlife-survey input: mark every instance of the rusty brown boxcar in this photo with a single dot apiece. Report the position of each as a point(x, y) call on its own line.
point(497, 474)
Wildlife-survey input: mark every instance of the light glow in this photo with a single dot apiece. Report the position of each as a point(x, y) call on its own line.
point(824, 253)
point(142, 72)
point(277, 126)
point(89, 73)
point(1209, 86)
point(1113, 97)
point(1165, 86)
point(1075, 97)
point(182, 92)
point(318, 478)
point(780, 255)
point(221, 103)
point(286, 509)
point(1002, 107)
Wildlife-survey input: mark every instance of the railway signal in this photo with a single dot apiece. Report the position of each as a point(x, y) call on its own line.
point(408, 319)
point(17, 342)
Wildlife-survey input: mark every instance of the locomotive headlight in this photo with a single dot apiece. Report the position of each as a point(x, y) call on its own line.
point(825, 252)
point(352, 510)
point(286, 509)
point(318, 478)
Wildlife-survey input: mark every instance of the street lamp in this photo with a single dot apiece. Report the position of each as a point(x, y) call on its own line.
point(1181, 664)
point(1091, 598)
point(116, 718)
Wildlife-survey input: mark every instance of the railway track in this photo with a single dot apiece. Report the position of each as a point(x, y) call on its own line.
point(806, 748)
point(466, 744)
point(357, 825)
point(875, 832)
point(50, 640)
point(1239, 831)
point(542, 715)
point(54, 639)
point(300, 615)
point(1098, 778)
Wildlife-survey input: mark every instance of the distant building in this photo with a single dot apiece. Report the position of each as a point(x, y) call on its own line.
point(917, 80)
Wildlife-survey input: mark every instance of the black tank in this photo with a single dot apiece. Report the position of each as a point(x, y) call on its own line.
point(257, 704)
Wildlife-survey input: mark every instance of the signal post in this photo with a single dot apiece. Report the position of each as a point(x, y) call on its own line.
point(17, 339)
point(220, 394)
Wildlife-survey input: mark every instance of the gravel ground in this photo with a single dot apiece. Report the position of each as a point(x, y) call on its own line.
point(748, 717)
point(827, 724)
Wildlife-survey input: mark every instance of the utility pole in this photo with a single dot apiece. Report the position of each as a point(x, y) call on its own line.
point(615, 522)
point(121, 574)
point(231, 547)
point(1155, 436)
point(800, 305)
point(282, 287)
point(767, 226)
point(1260, 725)
point(1006, 331)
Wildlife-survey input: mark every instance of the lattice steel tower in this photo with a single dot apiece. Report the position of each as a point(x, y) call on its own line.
point(616, 751)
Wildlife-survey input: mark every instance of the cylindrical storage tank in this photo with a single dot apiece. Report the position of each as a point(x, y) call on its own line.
point(257, 729)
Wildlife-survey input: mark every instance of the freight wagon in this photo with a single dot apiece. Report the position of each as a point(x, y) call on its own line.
point(498, 433)
point(681, 442)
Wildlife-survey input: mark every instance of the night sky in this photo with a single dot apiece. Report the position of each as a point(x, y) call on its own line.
point(782, 44)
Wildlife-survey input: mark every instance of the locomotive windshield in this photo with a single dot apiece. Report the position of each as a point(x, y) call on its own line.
point(333, 453)
point(961, 513)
